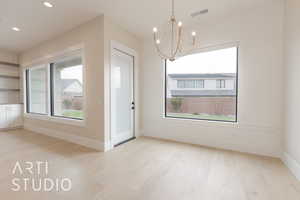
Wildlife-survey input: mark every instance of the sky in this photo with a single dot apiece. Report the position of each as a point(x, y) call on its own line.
point(217, 61)
point(74, 72)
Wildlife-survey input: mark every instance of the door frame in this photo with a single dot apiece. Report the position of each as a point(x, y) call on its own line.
point(127, 50)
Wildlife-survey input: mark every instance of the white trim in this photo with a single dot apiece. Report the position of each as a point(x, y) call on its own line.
point(45, 62)
point(225, 145)
point(118, 45)
point(292, 164)
point(83, 141)
point(53, 56)
point(213, 47)
point(69, 121)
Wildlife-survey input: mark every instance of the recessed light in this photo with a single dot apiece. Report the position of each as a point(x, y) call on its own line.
point(15, 29)
point(48, 4)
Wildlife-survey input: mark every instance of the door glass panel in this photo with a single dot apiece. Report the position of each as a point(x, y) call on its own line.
point(121, 96)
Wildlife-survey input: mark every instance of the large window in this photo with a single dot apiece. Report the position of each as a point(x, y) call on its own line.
point(203, 86)
point(65, 92)
point(37, 90)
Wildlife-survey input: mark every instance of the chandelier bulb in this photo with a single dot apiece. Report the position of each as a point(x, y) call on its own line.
point(176, 39)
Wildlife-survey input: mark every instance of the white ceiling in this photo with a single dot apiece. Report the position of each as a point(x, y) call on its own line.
point(39, 23)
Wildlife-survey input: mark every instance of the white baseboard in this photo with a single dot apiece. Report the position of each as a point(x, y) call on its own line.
point(10, 129)
point(292, 164)
point(244, 148)
point(83, 141)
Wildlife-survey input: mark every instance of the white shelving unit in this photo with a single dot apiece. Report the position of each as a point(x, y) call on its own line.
point(11, 116)
point(11, 111)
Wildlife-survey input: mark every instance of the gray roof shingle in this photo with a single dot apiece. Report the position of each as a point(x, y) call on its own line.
point(216, 75)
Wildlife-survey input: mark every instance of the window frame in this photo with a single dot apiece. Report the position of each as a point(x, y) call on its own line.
point(219, 83)
point(49, 116)
point(28, 92)
point(165, 115)
point(52, 90)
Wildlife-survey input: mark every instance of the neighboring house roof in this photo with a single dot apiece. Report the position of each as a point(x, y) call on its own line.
point(71, 85)
point(216, 75)
point(202, 93)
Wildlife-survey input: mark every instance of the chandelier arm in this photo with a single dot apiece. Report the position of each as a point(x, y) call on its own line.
point(161, 54)
point(189, 51)
point(178, 42)
point(172, 37)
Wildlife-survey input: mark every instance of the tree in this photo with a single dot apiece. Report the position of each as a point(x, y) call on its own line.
point(67, 103)
point(176, 103)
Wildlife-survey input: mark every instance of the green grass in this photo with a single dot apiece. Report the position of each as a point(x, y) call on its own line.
point(73, 114)
point(202, 116)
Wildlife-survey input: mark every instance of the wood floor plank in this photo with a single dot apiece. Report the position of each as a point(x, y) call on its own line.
point(145, 169)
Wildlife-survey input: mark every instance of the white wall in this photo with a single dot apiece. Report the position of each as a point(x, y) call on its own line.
point(91, 36)
point(6, 56)
point(292, 94)
point(95, 36)
point(259, 128)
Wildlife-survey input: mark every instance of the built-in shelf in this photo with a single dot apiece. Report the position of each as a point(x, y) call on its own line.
point(8, 76)
point(9, 85)
point(9, 90)
point(9, 64)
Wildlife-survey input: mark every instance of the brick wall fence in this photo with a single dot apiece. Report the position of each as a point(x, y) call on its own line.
point(207, 105)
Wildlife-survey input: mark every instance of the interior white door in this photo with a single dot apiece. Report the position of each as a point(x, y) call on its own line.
point(122, 96)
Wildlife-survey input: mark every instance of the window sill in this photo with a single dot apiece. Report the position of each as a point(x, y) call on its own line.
point(204, 122)
point(74, 122)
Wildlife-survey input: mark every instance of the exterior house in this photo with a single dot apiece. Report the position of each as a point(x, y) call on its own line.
point(213, 94)
point(69, 95)
point(202, 85)
point(71, 87)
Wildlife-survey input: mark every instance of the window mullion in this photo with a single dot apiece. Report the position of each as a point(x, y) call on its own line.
point(51, 84)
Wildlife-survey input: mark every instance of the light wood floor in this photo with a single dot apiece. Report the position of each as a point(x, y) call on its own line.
point(145, 169)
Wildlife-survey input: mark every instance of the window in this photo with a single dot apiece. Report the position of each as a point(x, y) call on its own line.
point(66, 88)
point(37, 90)
point(199, 83)
point(221, 84)
point(190, 84)
point(187, 97)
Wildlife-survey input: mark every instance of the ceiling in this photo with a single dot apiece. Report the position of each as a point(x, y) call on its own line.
point(39, 23)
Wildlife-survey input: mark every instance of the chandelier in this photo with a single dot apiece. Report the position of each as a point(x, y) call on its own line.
point(175, 47)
